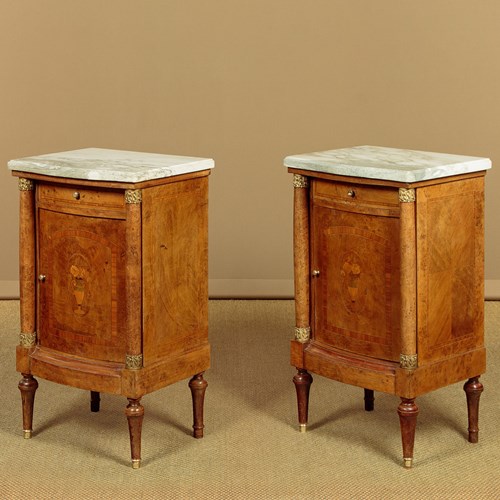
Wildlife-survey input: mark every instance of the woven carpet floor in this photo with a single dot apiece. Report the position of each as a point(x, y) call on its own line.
point(252, 448)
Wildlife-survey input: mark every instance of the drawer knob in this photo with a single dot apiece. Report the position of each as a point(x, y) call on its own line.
point(42, 278)
point(76, 195)
point(351, 193)
point(315, 273)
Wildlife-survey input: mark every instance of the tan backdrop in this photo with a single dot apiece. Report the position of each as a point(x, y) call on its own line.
point(248, 82)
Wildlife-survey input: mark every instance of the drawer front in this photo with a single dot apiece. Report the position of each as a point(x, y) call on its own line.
point(352, 197)
point(81, 201)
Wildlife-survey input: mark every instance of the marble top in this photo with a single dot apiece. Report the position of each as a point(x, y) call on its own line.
point(374, 162)
point(110, 165)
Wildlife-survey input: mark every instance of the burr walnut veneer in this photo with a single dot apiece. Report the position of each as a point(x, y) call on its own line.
point(113, 273)
point(389, 275)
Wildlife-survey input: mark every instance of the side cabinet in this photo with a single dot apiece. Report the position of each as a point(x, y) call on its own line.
point(388, 281)
point(114, 282)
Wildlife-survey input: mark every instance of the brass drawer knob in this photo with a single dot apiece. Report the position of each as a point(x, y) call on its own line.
point(76, 195)
point(42, 278)
point(315, 273)
point(351, 193)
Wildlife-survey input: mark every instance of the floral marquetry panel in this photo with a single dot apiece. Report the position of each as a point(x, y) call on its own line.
point(81, 290)
point(357, 293)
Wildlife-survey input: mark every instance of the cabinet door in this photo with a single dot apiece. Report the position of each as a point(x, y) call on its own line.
point(356, 299)
point(81, 300)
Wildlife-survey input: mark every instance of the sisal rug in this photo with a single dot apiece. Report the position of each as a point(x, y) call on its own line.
point(252, 448)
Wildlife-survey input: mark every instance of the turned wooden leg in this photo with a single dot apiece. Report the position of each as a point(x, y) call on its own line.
point(369, 400)
point(135, 415)
point(408, 412)
point(473, 389)
point(28, 386)
point(198, 386)
point(95, 401)
point(302, 381)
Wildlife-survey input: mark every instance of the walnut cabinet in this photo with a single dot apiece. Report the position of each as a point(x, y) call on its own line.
point(113, 278)
point(388, 279)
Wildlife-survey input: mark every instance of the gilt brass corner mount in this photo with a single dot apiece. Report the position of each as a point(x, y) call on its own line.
point(302, 334)
point(408, 361)
point(133, 361)
point(27, 339)
point(25, 184)
point(133, 196)
point(407, 195)
point(300, 181)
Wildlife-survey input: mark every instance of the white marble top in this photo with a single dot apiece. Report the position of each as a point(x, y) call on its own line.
point(374, 162)
point(110, 165)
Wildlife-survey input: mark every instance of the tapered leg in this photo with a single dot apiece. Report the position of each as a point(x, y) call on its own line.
point(369, 400)
point(28, 386)
point(302, 381)
point(135, 415)
point(473, 389)
point(198, 386)
point(408, 412)
point(95, 401)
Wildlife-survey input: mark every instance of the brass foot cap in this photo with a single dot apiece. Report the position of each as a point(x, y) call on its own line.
point(136, 463)
point(408, 462)
point(303, 427)
point(27, 434)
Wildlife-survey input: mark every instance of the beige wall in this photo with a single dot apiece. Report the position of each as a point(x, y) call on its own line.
point(247, 82)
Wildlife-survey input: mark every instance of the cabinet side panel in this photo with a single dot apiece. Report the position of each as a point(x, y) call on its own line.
point(450, 262)
point(175, 268)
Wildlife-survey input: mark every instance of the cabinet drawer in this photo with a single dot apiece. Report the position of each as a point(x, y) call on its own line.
point(81, 201)
point(352, 197)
